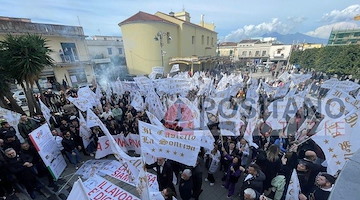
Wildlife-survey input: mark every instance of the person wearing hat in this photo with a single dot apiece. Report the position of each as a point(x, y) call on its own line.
point(6, 129)
point(324, 183)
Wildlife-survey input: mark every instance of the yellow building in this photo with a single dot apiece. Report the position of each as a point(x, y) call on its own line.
point(227, 49)
point(166, 39)
point(305, 46)
point(70, 52)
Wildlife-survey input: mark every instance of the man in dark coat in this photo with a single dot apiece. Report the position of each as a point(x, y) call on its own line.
point(6, 129)
point(254, 179)
point(164, 173)
point(197, 178)
point(186, 185)
point(20, 166)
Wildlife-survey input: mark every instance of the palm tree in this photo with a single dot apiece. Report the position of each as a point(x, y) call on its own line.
point(6, 93)
point(24, 57)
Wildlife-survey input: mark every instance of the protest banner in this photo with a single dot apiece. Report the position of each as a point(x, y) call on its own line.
point(169, 144)
point(91, 167)
point(100, 188)
point(118, 171)
point(294, 189)
point(78, 191)
point(48, 150)
point(175, 68)
point(45, 111)
point(129, 143)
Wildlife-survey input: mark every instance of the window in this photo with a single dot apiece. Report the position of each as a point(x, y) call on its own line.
point(212, 41)
point(244, 53)
point(263, 53)
point(250, 53)
point(69, 52)
point(207, 40)
point(109, 51)
point(202, 39)
point(193, 40)
point(120, 51)
point(257, 53)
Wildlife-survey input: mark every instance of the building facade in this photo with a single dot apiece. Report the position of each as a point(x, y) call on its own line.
point(166, 39)
point(69, 50)
point(227, 49)
point(252, 52)
point(344, 37)
point(107, 55)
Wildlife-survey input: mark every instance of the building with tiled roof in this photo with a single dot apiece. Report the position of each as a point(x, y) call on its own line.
point(152, 40)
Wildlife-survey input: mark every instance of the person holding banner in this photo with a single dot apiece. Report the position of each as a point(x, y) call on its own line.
point(164, 173)
point(71, 150)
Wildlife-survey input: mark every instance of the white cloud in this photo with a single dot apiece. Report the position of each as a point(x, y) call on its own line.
point(324, 31)
point(346, 14)
point(247, 31)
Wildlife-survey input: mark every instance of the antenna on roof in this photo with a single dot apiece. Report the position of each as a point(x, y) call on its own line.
point(78, 20)
point(183, 8)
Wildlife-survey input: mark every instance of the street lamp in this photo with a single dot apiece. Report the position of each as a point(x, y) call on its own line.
point(159, 37)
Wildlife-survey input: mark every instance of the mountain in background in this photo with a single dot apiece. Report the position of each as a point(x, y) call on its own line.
point(295, 38)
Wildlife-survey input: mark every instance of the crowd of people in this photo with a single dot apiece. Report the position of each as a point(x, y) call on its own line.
point(256, 173)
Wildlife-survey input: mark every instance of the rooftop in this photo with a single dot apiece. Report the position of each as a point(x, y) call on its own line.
point(228, 44)
point(143, 16)
point(23, 26)
point(249, 41)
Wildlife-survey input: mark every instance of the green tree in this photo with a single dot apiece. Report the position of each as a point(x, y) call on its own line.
point(6, 93)
point(24, 57)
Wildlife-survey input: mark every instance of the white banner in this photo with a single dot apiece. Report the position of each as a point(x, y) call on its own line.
point(158, 70)
point(294, 187)
point(169, 144)
point(137, 101)
point(131, 142)
point(84, 131)
point(91, 167)
point(99, 188)
point(339, 140)
point(12, 118)
point(116, 170)
point(91, 119)
point(48, 150)
point(175, 68)
point(78, 191)
point(45, 111)
point(153, 119)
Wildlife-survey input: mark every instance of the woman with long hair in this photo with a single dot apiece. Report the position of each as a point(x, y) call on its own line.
point(272, 164)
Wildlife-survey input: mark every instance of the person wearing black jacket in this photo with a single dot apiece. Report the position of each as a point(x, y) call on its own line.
point(38, 164)
point(254, 179)
point(20, 166)
point(186, 185)
point(71, 149)
point(6, 129)
point(164, 174)
point(197, 178)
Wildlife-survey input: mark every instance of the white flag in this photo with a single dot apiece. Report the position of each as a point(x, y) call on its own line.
point(13, 119)
point(84, 132)
point(293, 188)
point(46, 111)
point(339, 140)
point(153, 119)
point(175, 68)
point(78, 191)
point(91, 119)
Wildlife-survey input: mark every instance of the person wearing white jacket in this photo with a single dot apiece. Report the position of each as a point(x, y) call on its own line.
point(212, 164)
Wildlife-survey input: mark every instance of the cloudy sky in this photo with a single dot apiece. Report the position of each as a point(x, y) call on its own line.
point(234, 19)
